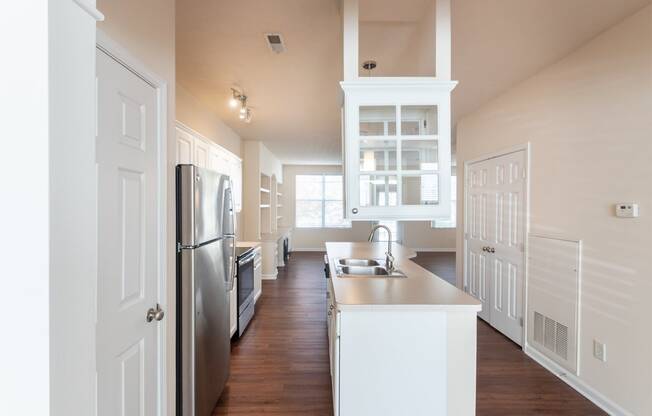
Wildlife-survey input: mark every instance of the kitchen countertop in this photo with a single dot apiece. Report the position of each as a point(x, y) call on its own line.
point(253, 244)
point(419, 290)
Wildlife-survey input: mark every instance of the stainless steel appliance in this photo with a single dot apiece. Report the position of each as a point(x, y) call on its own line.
point(205, 272)
point(245, 272)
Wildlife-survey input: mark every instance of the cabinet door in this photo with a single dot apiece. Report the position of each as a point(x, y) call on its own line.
point(201, 153)
point(233, 307)
point(184, 147)
point(236, 177)
point(335, 358)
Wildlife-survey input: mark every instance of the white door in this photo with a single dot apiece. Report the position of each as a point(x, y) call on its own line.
point(496, 195)
point(128, 274)
point(478, 234)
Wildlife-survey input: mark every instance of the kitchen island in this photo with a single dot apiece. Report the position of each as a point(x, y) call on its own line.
point(399, 345)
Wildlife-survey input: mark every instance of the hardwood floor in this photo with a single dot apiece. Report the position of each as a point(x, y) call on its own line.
point(280, 366)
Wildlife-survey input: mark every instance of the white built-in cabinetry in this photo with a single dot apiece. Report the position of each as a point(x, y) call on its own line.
point(263, 212)
point(233, 307)
point(397, 131)
point(193, 148)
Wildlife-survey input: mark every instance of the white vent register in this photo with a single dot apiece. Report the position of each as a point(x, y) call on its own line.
point(553, 299)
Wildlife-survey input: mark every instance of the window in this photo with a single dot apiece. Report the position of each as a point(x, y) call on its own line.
point(320, 202)
point(452, 221)
point(381, 234)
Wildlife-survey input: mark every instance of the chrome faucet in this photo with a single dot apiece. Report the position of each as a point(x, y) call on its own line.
point(389, 258)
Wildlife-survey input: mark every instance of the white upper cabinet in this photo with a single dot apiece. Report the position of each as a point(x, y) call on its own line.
point(397, 128)
point(201, 153)
point(193, 149)
point(185, 148)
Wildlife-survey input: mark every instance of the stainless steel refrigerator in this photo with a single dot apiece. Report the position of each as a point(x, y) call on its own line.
point(205, 273)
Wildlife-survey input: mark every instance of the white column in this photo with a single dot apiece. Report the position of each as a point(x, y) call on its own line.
point(350, 38)
point(443, 40)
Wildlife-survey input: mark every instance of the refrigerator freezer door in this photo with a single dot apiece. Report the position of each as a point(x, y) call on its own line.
point(205, 349)
point(203, 205)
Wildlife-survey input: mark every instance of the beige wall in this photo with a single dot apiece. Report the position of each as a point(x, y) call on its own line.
point(145, 28)
point(417, 235)
point(589, 121)
point(199, 117)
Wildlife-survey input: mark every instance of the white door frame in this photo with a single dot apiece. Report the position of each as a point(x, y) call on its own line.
point(121, 55)
point(527, 149)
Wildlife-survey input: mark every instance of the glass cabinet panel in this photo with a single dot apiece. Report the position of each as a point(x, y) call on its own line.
point(377, 155)
point(420, 189)
point(419, 155)
point(378, 191)
point(378, 120)
point(418, 120)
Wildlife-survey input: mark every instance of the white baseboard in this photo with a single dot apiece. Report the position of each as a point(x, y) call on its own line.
point(257, 296)
point(435, 250)
point(308, 249)
point(272, 276)
point(578, 384)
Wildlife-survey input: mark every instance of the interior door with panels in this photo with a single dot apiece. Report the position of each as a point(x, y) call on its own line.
point(127, 152)
point(495, 232)
point(507, 245)
point(479, 230)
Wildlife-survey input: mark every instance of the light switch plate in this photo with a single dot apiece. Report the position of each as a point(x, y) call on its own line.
point(627, 210)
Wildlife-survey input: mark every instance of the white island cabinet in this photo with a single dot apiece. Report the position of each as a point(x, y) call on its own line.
point(399, 345)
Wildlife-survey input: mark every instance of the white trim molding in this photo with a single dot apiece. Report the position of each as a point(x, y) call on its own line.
point(576, 383)
point(91, 10)
point(272, 276)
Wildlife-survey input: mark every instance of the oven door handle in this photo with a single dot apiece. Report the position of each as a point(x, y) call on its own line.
point(246, 259)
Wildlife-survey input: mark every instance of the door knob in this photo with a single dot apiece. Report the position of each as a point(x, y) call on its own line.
point(153, 314)
point(485, 248)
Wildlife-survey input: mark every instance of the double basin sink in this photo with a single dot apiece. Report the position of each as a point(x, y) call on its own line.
point(349, 267)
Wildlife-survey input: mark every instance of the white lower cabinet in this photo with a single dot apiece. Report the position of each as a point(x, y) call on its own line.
point(401, 361)
point(233, 307)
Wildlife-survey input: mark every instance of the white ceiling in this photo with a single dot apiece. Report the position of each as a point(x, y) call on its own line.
point(296, 95)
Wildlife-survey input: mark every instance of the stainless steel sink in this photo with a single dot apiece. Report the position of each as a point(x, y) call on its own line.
point(364, 268)
point(367, 271)
point(359, 262)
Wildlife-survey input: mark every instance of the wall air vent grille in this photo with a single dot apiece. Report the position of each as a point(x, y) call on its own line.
point(551, 334)
point(275, 42)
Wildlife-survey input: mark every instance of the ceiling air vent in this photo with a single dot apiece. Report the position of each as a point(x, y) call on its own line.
point(275, 42)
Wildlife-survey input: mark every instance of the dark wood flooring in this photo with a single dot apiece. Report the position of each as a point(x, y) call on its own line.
point(280, 366)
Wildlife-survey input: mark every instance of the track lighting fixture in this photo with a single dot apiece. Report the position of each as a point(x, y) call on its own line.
point(239, 99)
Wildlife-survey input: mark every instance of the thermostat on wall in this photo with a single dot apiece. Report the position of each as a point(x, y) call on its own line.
point(627, 210)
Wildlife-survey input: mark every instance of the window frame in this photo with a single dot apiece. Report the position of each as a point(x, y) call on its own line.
point(323, 200)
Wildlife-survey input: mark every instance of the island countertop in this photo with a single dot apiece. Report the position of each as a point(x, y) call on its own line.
point(419, 290)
